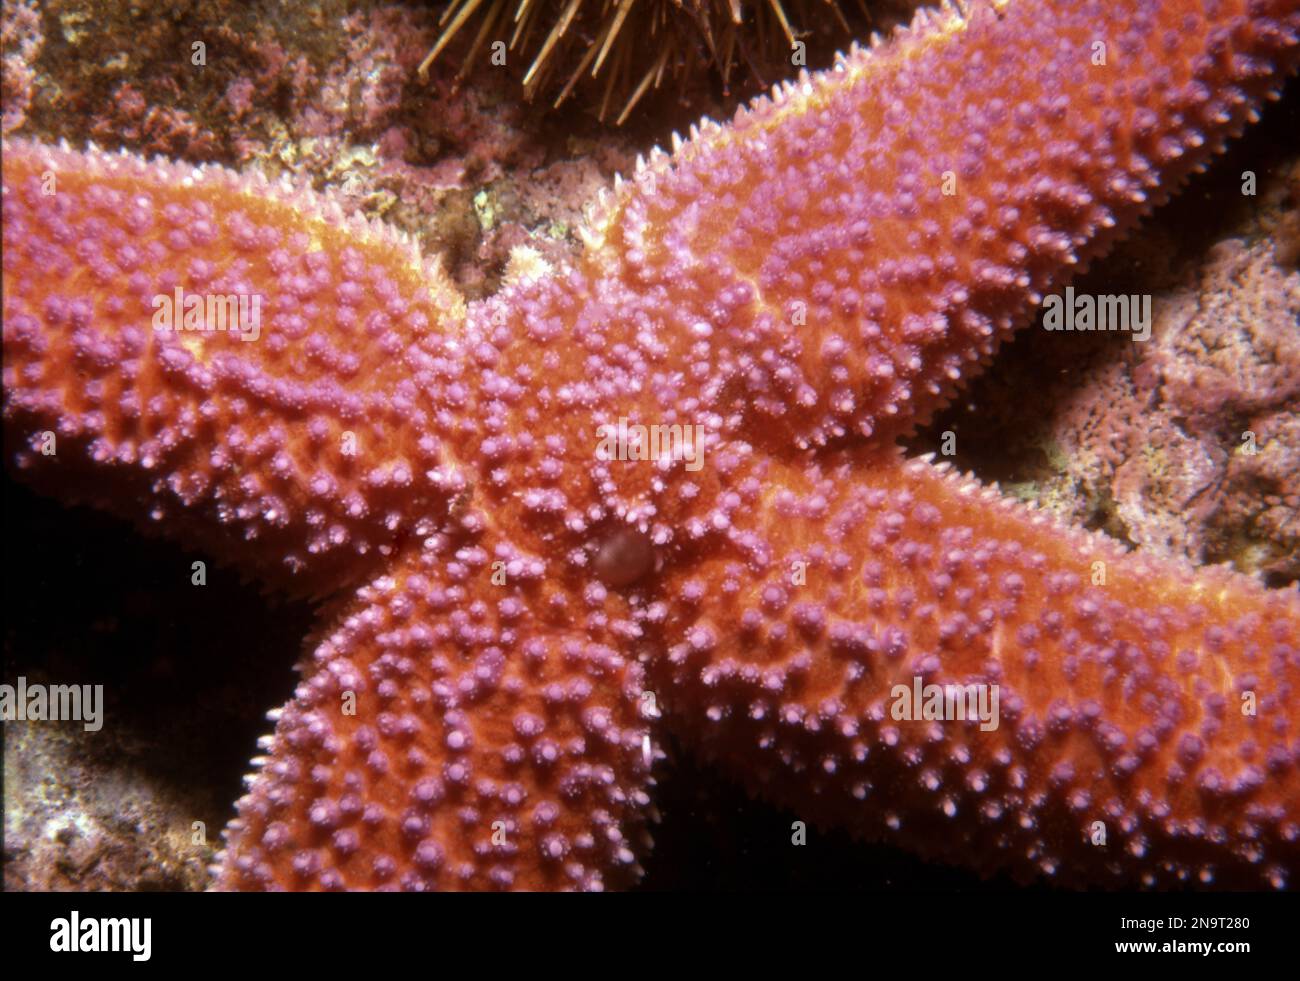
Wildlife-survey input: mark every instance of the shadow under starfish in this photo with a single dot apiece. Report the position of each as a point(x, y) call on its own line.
point(534, 768)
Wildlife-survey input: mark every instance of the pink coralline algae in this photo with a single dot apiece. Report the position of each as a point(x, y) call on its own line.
point(1184, 444)
point(21, 39)
point(1229, 376)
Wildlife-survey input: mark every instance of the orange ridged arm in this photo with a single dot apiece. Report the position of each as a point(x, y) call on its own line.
point(299, 454)
point(1135, 695)
point(462, 725)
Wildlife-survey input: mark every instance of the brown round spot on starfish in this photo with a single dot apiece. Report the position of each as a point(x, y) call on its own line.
point(624, 557)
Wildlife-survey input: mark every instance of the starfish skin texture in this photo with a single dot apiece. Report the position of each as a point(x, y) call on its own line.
point(510, 618)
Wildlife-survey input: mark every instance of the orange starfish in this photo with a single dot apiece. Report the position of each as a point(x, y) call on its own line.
point(664, 481)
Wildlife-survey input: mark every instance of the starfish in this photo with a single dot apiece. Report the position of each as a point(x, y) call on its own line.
point(662, 488)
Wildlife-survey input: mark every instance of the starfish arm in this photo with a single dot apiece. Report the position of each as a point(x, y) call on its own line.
point(802, 272)
point(859, 241)
point(1145, 724)
point(453, 733)
point(296, 442)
